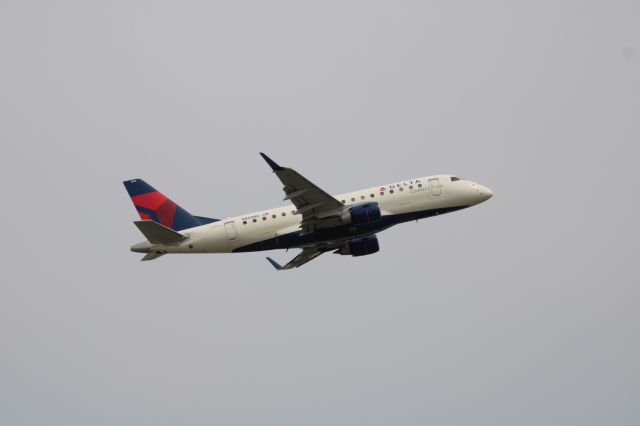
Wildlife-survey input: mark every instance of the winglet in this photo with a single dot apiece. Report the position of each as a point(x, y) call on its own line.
point(275, 264)
point(271, 163)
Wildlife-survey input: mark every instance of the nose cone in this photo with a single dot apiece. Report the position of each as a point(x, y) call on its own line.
point(484, 193)
point(479, 193)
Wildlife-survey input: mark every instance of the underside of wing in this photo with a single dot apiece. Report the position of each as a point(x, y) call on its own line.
point(306, 255)
point(350, 246)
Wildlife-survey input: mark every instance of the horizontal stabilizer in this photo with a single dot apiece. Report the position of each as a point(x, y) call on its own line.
point(158, 234)
point(152, 255)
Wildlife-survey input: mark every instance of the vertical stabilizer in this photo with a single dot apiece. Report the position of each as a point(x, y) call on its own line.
point(153, 205)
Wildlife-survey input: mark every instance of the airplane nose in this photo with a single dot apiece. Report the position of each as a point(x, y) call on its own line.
point(484, 192)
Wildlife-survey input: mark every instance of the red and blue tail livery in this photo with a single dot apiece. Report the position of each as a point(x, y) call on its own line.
point(154, 205)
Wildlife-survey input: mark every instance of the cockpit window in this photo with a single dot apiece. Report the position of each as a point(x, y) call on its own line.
point(453, 178)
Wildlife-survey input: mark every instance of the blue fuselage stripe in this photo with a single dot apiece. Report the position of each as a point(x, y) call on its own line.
point(297, 239)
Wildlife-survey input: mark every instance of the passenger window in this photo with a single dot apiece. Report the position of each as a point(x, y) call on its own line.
point(255, 220)
point(264, 218)
point(353, 199)
point(401, 189)
point(372, 195)
point(273, 216)
point(410, 186)
point(343, 201)
point(362, 197)
point(284, 213)
point(244, 222)
point(419, 185)
point(381, 193)
point(391, 191)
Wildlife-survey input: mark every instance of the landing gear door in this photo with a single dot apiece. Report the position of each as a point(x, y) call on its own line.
point(230, 227)
point(435, 187)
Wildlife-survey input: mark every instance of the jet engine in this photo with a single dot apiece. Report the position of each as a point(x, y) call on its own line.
point(360, 246)
point(362, 213)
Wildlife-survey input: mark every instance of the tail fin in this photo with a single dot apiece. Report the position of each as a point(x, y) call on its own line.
point(155, 206)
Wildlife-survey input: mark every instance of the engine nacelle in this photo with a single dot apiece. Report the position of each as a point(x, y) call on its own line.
point(360, 246)
point(362, 213)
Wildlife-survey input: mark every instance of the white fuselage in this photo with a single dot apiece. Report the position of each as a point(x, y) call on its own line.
point(399, 202)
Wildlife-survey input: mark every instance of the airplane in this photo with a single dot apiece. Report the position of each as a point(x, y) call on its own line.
point(317, 222)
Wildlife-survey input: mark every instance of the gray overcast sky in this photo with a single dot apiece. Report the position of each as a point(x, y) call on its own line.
point(523, 310)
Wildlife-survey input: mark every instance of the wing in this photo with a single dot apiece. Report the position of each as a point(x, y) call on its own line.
point(309, 199)
point(306, 255)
